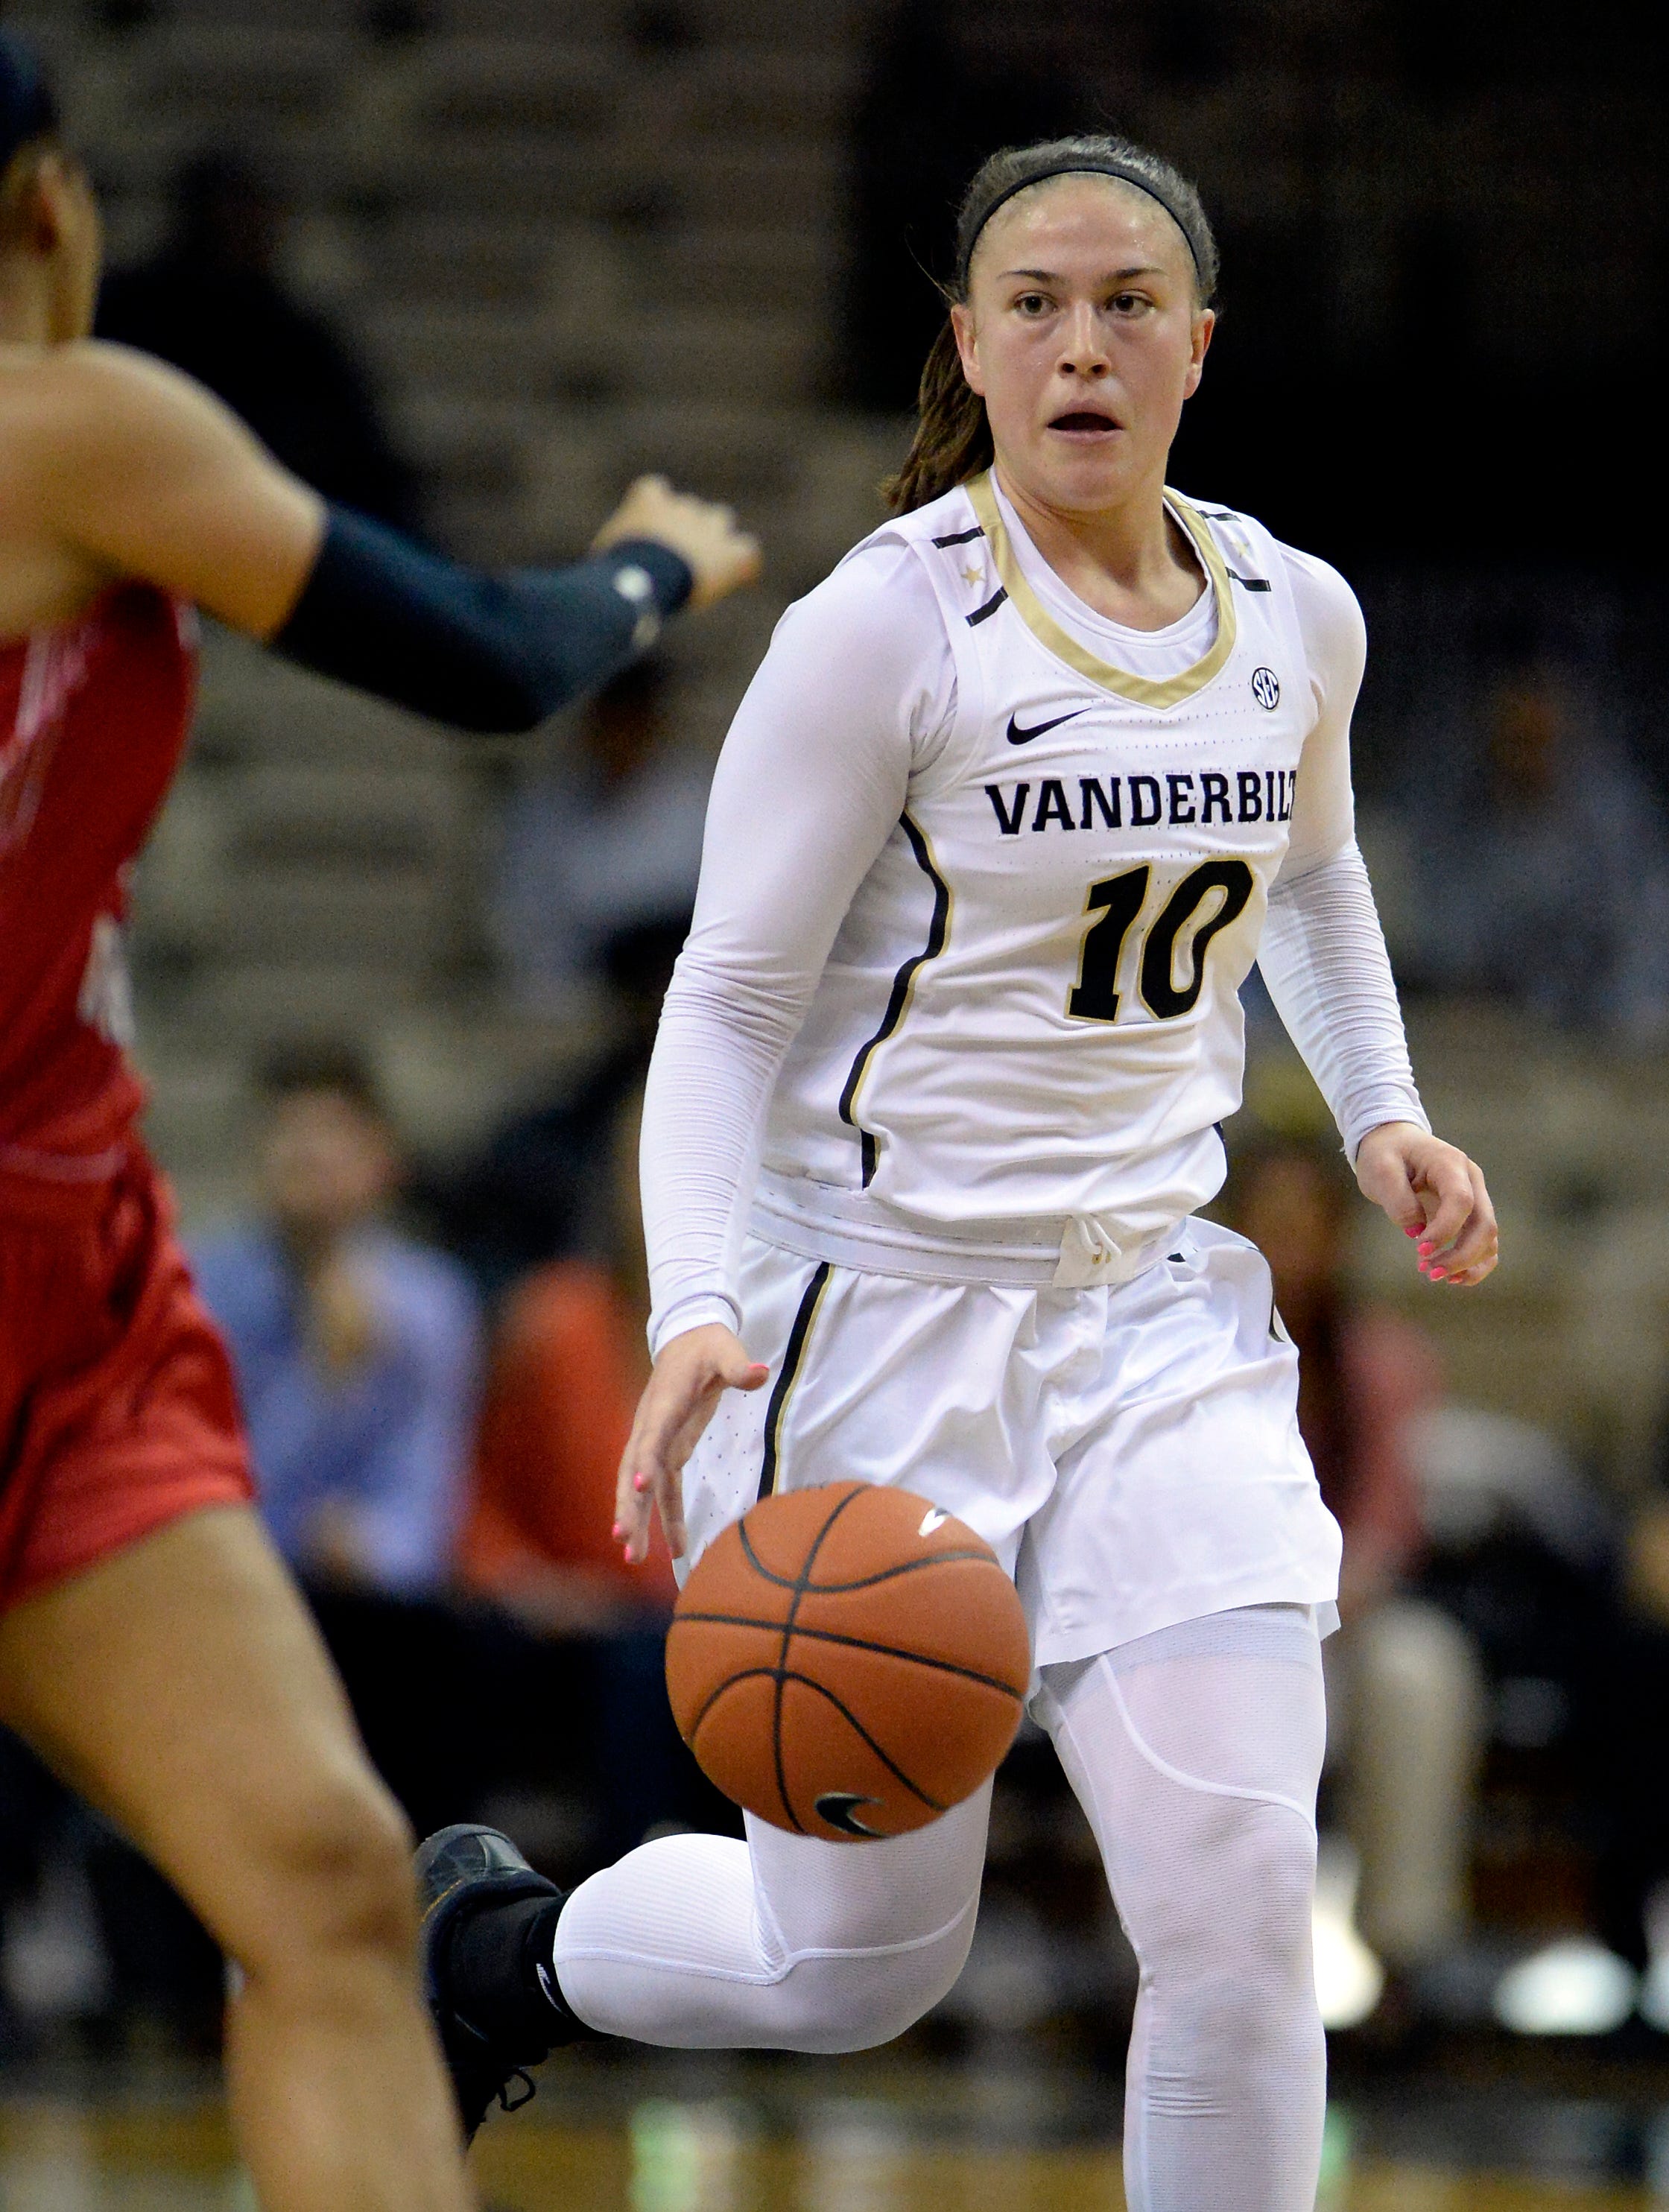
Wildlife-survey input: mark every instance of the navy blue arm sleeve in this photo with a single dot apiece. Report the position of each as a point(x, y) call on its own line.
point(482, 651)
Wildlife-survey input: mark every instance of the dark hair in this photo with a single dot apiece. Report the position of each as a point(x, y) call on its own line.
point(27, 109)
point(336, 1070)
point(953, 440)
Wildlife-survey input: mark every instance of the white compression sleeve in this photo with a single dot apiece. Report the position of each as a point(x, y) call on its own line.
point(1324, 959)
point(813, 776)
point(783, 1943)
point(1196, 1753)
point(1322, 954)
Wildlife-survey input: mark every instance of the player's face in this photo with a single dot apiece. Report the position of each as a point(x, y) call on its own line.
point(1083, 335)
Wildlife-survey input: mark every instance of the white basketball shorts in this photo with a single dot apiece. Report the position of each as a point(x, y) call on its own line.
point(1131, 1453)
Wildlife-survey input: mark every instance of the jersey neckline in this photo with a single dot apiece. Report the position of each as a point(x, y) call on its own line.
point(1141, 690)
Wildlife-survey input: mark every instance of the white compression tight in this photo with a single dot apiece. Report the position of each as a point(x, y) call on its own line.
point(1196, 1754)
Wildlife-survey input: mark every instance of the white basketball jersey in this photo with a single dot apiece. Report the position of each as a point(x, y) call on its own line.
point(1030, 1012)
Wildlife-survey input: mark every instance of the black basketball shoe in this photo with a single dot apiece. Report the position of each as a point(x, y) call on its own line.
point(487, 1921)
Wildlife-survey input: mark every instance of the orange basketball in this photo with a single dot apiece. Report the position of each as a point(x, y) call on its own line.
point(848, 1661)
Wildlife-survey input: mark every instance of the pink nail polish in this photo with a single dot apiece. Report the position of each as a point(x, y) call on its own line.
point(1439, 1274)
point(639, 1483)
point(1411, 1232)
point(1428, 1247)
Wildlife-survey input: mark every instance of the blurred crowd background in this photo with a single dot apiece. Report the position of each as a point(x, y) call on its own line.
point(470, 265)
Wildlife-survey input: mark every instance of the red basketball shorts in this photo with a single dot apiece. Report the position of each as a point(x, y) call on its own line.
point(117, 1411)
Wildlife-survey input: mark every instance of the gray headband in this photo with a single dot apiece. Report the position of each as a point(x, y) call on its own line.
point(1089, 165)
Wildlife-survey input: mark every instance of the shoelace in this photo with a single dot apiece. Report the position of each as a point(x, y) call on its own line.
point(506, 2102)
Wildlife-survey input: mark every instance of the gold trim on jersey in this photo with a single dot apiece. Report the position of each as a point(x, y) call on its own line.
point(1141, 690)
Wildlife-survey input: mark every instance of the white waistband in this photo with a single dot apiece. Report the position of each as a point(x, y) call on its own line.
point(850, 1229)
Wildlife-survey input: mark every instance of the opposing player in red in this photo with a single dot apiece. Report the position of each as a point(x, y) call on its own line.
point(151, 1646)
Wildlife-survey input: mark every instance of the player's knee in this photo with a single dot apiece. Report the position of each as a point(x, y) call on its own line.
point(1235, 1953)
point(855, 2003)
point(337, 1879)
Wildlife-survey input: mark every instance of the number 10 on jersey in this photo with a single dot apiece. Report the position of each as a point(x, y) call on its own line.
point(1118, 900)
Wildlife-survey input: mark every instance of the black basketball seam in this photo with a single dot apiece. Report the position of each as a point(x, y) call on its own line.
point(798, 1590)
point(863, 1581)
point(858, 1644)
point(783, 1676)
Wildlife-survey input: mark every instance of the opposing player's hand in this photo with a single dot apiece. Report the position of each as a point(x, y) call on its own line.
point(1436, 1194)
point(722, 558)
point(691, 1375)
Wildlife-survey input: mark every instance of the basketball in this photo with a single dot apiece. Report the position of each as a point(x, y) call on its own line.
point(848, 1661)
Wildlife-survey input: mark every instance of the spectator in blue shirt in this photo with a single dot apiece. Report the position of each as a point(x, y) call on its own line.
point(357, 1348)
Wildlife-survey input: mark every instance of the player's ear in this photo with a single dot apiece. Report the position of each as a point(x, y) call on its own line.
point(35, 210)
point(967, 346)
point(1205, 321)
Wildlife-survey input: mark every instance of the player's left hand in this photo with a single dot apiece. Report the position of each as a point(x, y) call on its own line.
point(1436, 1194)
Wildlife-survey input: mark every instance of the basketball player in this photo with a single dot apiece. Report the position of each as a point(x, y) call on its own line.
point(151, 1648)
point(1015, 800)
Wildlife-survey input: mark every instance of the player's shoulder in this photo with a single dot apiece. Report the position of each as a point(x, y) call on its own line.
point(880, 591)
point(88, 372)
point(944, 522)
point(1307, 573)
point(88, 395)
point(1328, 611)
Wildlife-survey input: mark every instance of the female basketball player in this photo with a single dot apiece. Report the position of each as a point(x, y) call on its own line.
point(1018, 796)
point(151, 1645)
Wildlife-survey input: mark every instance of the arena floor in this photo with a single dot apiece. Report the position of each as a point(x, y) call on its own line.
point(837, 2138)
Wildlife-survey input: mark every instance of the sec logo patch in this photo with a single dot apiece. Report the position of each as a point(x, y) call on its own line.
point(1266, 689)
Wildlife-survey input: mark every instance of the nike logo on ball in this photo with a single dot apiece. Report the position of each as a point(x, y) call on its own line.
point(932, 1519)
point(1018, 736)
point(840, 1808)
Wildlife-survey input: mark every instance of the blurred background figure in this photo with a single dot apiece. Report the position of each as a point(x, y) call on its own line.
point(356, 1349)
point(570, 1356)
point(1407, 1708)
point(215, 303)
point(602, 843)
point(1544, 871)
point(542, 1187)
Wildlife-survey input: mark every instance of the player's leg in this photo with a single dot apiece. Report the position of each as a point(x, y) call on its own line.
point(180, 1685)
point(795, 1944)
point(788, 1941)
point(1196, 1753)
point(783, 1942)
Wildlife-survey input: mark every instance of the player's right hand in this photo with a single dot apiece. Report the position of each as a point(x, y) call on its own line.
point(691, 1374)
point(721, 557)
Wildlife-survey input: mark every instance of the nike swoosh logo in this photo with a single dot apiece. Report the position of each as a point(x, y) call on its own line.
point(931, 1519)
point(840, 1808)
point(1018, 736)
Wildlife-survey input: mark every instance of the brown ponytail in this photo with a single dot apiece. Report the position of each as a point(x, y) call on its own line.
point(953, 440)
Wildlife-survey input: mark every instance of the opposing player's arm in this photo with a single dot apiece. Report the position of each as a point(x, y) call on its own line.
point(137, 471)
point(1324, 960)
point(132, 470)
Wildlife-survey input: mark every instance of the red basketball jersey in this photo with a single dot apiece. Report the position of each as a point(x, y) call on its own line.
point(93, 721)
